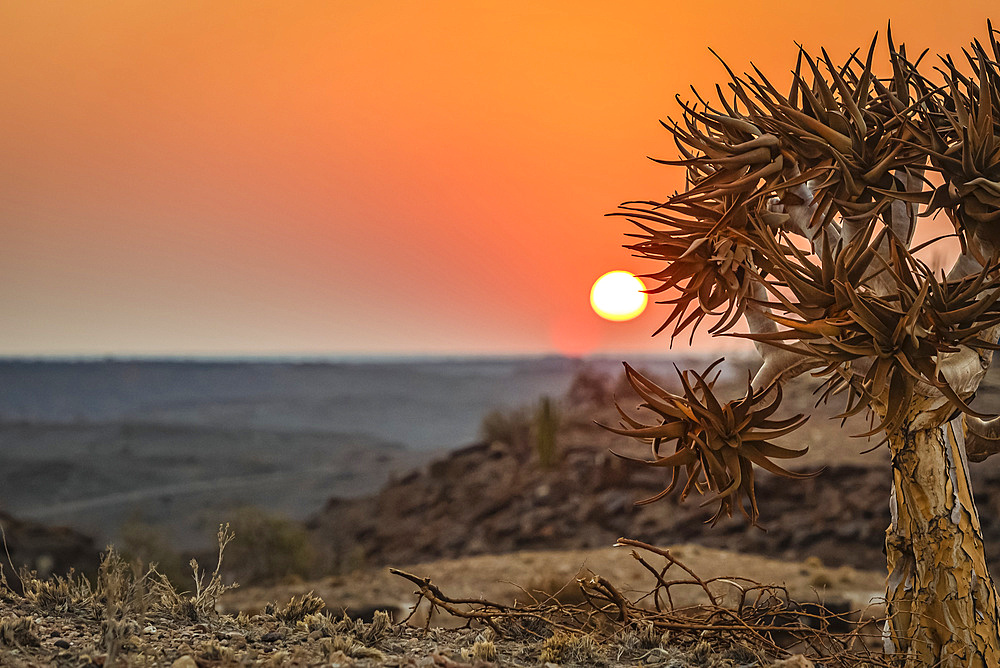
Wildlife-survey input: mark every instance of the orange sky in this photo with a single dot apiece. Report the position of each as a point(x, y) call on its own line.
point(358, 177)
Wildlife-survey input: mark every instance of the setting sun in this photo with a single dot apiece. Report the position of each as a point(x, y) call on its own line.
point(618, 295)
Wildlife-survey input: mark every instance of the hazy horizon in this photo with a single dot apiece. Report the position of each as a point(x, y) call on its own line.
point(400, 357)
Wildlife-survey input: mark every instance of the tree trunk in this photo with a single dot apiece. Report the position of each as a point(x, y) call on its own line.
point(942, 604)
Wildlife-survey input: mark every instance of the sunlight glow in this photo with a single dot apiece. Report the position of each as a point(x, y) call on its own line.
point(618, 296)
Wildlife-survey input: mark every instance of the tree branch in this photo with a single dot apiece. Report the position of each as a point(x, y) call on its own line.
point(779, 364)
point(800, 215)
point(903, 215)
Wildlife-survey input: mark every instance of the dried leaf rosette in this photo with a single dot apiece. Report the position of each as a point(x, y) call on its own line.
point(707, 267)
point(717, 444)
point(847, 136)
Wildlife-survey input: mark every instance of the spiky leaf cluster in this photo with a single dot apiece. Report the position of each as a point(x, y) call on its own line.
point(708, 271)
point(858, 140)
point(716, 443)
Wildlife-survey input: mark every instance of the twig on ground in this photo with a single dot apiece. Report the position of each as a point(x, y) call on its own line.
point(763, 617)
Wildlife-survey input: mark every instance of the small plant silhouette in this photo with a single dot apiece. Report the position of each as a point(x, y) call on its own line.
point(546, 428)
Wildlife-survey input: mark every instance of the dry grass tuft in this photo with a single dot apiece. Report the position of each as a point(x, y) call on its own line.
point(483, 649)
point(18, 631)
point(350, 646)
point(568, 648)
point(297, 610)
point(57, 593)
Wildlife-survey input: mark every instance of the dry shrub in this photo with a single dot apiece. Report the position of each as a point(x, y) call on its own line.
point(353, 637)
point(526, 430)
point(510, 427)
point(124, 594)
point(270, 548)
point(640, 637)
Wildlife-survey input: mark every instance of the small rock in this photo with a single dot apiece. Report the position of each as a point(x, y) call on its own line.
point(149, 629)
point(62, 644)
point(271, 636)
point(55, 633)
point(186, 661)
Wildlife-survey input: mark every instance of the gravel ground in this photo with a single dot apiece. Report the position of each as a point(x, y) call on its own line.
point(30, 639)
point(125, 620)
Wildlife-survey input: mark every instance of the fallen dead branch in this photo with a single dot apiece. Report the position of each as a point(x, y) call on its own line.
point(734, 611)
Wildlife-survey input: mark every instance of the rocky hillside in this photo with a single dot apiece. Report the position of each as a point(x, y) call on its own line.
point(493, 498)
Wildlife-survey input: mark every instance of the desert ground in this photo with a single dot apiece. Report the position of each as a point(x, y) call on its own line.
point(490, 522)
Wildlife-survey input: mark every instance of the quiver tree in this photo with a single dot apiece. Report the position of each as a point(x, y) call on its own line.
point(797, 220)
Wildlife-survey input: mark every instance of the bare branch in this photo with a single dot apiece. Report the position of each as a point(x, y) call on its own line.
point(963, 371)
point(779, 364)
point(799, 215)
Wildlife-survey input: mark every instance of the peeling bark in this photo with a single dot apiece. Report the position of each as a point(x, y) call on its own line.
point(942, 603)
